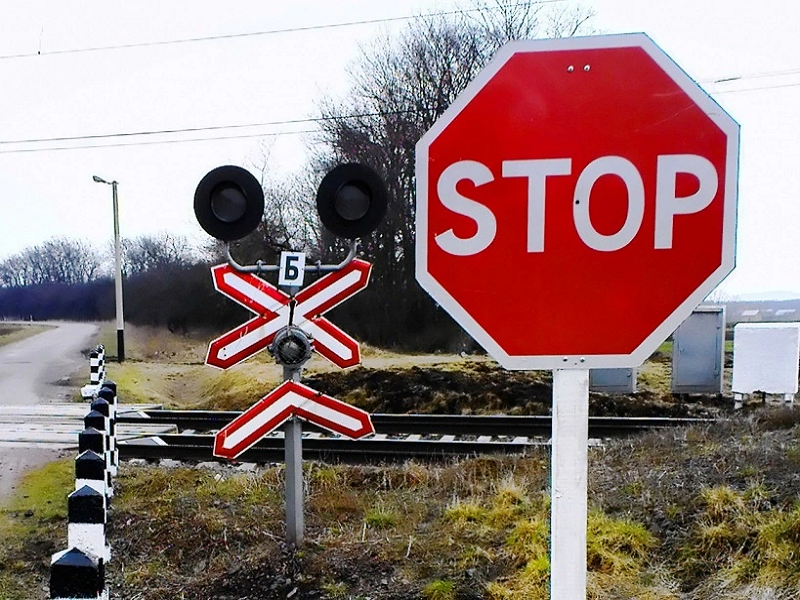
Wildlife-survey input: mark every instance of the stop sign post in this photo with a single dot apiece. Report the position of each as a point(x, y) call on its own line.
point(574, 205)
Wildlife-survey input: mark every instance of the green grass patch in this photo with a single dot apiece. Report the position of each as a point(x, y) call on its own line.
point(440, 589)
point(740, 537)
point(666, 522)
point(381, 517)
point(33, 525)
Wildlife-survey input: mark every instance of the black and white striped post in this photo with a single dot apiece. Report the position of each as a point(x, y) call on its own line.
point(97, 372)
point(101, 357)
point(94, 367)
point(90, 470)
point(95, 440)
point(101, 406)
point(79, 573)
point(86, 523)
point(74, 575)
point(109, 393)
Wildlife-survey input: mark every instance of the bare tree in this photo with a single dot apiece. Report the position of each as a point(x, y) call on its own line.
point(400, 87)
point(153, 252)
point(59, 260)
point(14, 271)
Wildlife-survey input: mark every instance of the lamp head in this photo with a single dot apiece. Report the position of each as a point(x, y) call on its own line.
point(291, 347)
point(351, 200)
point(229, 203)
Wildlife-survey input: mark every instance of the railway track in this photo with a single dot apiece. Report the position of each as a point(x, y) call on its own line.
point(397, 438)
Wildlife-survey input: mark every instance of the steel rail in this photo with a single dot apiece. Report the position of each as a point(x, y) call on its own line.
point(426, 424)
point(193, 447)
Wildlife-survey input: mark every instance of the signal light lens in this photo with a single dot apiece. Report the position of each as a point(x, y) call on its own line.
point(351, 200)
point(229, 203)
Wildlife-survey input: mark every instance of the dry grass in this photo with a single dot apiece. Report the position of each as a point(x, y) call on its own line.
point(169, 369)
point(14, 332)
point(693, 514)
point(690, 514)
point(684, 519)
point(33, 526)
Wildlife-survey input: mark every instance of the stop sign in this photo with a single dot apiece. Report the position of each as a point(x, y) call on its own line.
point(576, 202)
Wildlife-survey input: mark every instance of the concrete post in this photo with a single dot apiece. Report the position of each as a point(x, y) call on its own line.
point(76, 576)
point(109, 393)
point(569, 467)
point(90, 470)
point(99, 421)
point(86, 526)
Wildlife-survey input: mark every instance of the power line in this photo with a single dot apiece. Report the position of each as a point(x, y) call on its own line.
point(725, 79)
point(100, 136)
point(756, 75)
point(313, 120)
point(267, 32)
point(760, 87)
point(317, 120)
point(154, 142)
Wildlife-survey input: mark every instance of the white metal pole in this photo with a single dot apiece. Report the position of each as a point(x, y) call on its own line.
point(118, 278)
point(293, 454)
point(293, 459)
point(569, 469)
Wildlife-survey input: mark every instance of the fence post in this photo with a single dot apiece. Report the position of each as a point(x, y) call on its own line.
point(76, 576)
point(109, 393)
point(86, 522)
point(90, 470)
point(94, 440)
point(101, 357)
point(94, 368)
point(98, 421)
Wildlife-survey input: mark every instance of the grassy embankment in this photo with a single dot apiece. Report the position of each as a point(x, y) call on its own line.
point(14, 332)
point(698, 513)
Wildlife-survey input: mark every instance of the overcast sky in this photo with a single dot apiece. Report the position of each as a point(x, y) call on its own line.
point(744, 53)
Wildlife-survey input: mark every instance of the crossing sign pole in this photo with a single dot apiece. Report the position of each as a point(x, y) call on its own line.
point(293, 486)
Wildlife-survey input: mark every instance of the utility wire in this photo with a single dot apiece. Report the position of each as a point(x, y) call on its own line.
point(760, 87)
point(313, 120)
point(107, 136)
point(101, 136)
point(756, 75)
point(317, 120)
point(154, 142)
point(267, 32)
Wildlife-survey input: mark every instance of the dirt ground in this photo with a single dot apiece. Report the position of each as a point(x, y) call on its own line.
point(481, 387)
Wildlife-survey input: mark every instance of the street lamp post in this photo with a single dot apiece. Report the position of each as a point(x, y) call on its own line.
point(118, 271)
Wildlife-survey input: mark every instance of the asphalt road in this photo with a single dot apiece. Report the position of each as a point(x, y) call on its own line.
point(36, 371)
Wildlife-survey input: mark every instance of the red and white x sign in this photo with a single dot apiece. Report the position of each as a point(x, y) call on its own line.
point(290, 399)
point(272, 307)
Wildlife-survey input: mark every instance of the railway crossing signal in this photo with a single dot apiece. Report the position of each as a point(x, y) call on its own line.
point(273, 307)
point(288, 400)
point(229, 204)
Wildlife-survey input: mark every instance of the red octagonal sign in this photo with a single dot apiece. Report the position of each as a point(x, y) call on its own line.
point(576, 202)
